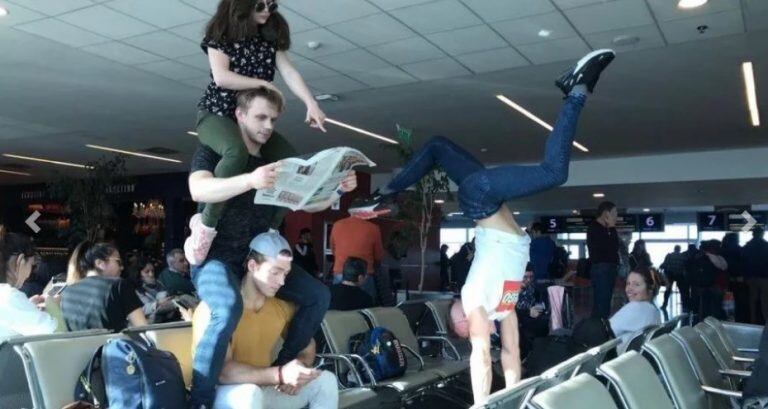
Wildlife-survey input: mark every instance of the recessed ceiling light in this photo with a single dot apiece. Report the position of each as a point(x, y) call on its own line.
point(575, 211)
point(362, 131)
point(625, 40)
point(11, 172)
point(52, 162)
point(545, 33)
point(193, 133)
point(691, 4)
point(3, 11)
point(439, 201)
point(598, 194)
point(483, 149)
point(646, 210)
point(516, 213)
point(142, 155)
point(326, 97)
point(535, 118)
point(749, 86)
point(313, 45)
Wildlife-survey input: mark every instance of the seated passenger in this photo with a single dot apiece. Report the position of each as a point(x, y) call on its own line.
point(158, 306)
point(532, 314)
point(19, 315)
point(248, 378)
point(639, 312)
point(347, 295)
point(175, 277)
point(96, 297)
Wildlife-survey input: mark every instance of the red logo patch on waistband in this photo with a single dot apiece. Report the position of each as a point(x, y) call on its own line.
point(509, 296)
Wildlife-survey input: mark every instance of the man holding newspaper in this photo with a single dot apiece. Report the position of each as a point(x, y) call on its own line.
point(310, 185)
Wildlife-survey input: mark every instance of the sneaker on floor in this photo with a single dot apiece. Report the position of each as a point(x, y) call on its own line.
point(586, 71)
point(377, 204)
point(197, 245)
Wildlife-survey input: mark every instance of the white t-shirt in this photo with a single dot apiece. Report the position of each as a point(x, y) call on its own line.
point(633, 317)
point(18, 316)
point(496, 274)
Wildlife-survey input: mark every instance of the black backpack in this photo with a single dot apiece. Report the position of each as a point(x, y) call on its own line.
point(552, 350)
point(382, 351)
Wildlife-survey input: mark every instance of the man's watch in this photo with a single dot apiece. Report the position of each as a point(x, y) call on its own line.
point(340, 192)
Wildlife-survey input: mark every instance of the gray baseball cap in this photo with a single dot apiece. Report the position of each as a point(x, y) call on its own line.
point(270, 244)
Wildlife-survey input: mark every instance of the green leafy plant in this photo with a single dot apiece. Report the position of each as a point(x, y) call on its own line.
point(88, 198)
point(418, 210)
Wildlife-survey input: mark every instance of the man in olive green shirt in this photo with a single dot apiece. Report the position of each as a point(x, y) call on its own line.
point(175, 277)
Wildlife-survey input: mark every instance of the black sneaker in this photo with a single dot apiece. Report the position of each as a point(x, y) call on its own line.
point(377, 204)
point(586, 71)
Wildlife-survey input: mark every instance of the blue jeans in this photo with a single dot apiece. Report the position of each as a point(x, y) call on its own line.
point(482, 191)
point(219, 287)
point(603, 277)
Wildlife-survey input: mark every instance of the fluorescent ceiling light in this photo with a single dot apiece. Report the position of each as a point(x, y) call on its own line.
point(142, 155)
point(362, 131)
point(516, 213)
point(691, 4)
point(545, 33)
point(646, 210)
point(535, 118)
point(439, 201)
point(10, 172)
point(575, 211)
point(749, 86)
point(52, 162)
point(598, 194)
point(193, 133)
point(3, 11)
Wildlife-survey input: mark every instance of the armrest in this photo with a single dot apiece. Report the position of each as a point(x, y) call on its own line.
point(722, 392)
point(366, 367)
point(742, 359)
point(421, 360)
point(735, 372)
point(346, 360)
point(445, 342)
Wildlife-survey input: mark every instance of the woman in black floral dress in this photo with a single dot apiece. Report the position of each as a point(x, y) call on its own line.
point(246, 41)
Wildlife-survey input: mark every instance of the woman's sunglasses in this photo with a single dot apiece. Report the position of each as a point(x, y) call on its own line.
point(270, 6)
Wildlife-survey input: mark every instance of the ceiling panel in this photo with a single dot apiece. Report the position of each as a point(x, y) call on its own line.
point(407, 51)
point(610, 16)
point(493, 60)
point(192, 31)
point(569, 4)
point(371, 30)
point(556, 50)
point(330, 43)
point(648, 37)
point(438, 16)
point(337, 84)
point(720, 24)
point(310, 69)
point(166, 44)
point(331, 11)
point(666, 10)
point(436, 69)
point(207, 6)
point(163, 14)
point(199, 83)
point(52, 7)
point(497, 10)
point(467, 40)
point(122, 53)
point(526, 30)
point(199, 61)
point(297, 22)
point(756, 14)
point(19, 15)
point(396, 4)
point(107, 22)
point(383, 77)
point(353, 61)
point(61, 32)
point(172, 70)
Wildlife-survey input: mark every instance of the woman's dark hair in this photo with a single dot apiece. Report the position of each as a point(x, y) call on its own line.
point(605, 207)
point(233, 21)
point(304, 231)
point(13, 244)
point(711, 246)
point(83, 259)
point(650, 278)
point(135, 274)
point(637, 245)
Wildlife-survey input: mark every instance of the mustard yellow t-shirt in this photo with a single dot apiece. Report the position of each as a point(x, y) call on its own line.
point(258, 335)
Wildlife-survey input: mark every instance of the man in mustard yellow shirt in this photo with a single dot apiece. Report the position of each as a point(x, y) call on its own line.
point(248, 379)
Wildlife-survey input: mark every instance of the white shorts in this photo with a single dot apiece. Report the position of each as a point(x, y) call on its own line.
point(496, 274)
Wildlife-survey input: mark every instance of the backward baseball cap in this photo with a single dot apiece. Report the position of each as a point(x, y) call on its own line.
point(271, 244)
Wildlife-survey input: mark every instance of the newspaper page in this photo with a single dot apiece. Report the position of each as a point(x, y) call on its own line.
point(305, 182)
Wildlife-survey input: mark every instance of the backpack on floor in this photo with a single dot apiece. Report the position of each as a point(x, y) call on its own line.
point(132, 375)
point(382, 351)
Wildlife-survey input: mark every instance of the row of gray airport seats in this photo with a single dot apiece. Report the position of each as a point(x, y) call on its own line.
point(697, 367)
point(686, 363)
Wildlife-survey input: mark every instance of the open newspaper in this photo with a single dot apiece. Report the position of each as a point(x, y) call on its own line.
point(305, 182)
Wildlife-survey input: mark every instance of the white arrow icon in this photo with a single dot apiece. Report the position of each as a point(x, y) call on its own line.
point(31, 221)
point(751, 222)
